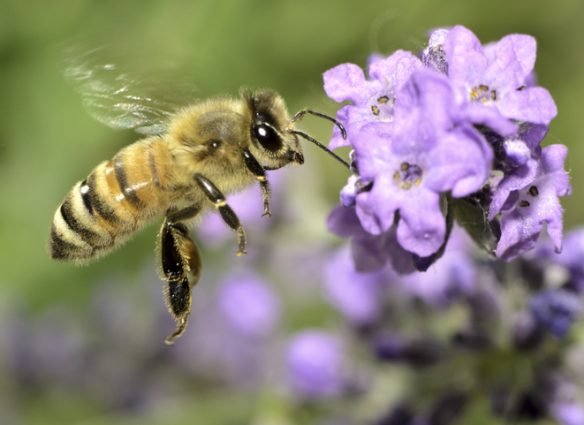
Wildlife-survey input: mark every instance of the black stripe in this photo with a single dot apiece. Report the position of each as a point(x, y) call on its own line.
point(103, 209)
point(60, 249)
point(153, 168)
point(68, 214)
point(123, 182)
point(85, 196)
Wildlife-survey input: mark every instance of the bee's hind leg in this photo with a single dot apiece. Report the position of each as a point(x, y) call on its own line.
point(181, 269)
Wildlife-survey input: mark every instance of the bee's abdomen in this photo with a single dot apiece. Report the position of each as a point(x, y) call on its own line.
point(115, 200)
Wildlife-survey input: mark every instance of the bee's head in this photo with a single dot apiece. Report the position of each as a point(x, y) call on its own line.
point(272, 144)
point(273, 132)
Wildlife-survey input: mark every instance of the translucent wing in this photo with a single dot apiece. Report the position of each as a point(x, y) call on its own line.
point(122, 99)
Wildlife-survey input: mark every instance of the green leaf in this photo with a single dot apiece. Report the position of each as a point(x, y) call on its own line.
point(469, 214)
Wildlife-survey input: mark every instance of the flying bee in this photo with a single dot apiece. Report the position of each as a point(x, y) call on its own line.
point(190, 160)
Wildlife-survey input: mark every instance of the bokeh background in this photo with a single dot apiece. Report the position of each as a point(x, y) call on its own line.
point(85, 345)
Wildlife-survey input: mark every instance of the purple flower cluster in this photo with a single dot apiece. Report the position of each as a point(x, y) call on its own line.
point(459, 123)
point(504, 335)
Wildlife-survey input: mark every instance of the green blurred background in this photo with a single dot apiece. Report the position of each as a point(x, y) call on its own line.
point(48, 141)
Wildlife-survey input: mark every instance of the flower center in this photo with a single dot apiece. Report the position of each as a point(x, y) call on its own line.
point(382, 104)
point(533, 191)
point(483, 94)
point(407, 176)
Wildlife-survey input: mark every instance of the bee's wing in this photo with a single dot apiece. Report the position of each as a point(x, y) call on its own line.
point(127, 100)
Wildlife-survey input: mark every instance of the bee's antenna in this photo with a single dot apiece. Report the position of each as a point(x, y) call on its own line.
point(320, 145)
point(303, 112)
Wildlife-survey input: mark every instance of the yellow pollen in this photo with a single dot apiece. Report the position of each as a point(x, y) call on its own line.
point(375, 110)
point(383, 99)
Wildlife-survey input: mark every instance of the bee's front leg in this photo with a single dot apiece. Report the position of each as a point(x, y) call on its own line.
point(258, 171)
point(216, 197)
point(181, 269)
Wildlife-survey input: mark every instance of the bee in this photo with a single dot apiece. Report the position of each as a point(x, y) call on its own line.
point(189, 161)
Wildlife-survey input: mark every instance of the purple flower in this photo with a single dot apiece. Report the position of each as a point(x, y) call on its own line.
point(315, 365)
point(497, 76)
point(229, 338)
point(455, 274)
point(371, 100)
point(568, 413)
point(556, 310)
point(427, 151)
point(249, 306)
point(527, 199)
point(358, 296)
point(369, 252)
point(570, 257)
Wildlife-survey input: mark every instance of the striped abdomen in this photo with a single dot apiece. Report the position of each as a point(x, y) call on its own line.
point(114, 201)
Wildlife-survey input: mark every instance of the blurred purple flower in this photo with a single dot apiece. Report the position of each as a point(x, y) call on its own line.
point(528, 199)
point(315, 364)
point(249, 305)
point(556, 310)
point(455, 274)
point(568, 413)
point(369, 252)
point(570, 257)
point(229, 336)
point(496, 77)
point(358, 296)
point(371, 100)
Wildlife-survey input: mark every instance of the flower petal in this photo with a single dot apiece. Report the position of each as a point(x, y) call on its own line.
point(424, 107)
point(464, 53)
point(516, 236)
point(343, 221)
point(477, 113)
point(395, 69)
point(519, 179)
point(376, 208)
point(514, 59)
point(519, 48)
point(533, 104)
point(460, 162)
point(422, 226)
point(344, 82)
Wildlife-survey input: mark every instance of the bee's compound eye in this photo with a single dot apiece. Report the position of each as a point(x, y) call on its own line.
point(267, 137)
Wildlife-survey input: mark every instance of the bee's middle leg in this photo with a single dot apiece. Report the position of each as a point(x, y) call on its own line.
point(259, 173)
point(216, 197)
point(181, 269)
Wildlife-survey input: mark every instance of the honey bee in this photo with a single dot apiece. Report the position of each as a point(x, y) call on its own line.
point(189, 161)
